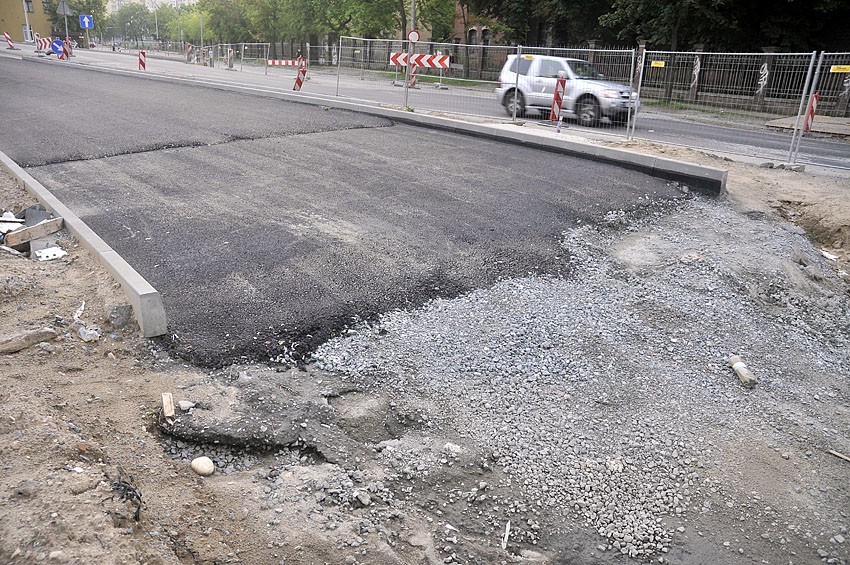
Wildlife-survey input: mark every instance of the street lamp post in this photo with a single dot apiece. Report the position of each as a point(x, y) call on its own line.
point(27, 20)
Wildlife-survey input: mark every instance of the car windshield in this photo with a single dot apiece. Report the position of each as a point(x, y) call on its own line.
point(583, 69)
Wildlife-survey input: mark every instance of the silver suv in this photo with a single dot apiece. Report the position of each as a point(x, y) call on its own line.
point(588, 96)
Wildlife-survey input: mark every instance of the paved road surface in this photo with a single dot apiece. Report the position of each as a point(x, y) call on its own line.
point(267, 223)
point(652, 124)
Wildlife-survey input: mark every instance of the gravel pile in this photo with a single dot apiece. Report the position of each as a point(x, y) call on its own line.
point(609, 392)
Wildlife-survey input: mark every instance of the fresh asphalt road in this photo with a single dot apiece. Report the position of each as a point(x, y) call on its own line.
point(749, 140)
point(269, 225)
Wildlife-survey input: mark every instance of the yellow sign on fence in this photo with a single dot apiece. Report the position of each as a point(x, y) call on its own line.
point(839, 69)
point(658, 64)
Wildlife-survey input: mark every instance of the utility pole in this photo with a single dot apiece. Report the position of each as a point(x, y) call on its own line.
point(27, 20)
point(156, 21)
point(409, 51)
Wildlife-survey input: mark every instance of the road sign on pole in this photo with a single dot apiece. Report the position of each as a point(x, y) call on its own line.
point(86, 21)
point(57, 46)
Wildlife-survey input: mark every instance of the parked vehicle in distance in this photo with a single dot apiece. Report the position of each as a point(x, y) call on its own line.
point(588, 96)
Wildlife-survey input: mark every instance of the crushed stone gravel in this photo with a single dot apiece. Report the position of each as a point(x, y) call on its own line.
point(609, 392)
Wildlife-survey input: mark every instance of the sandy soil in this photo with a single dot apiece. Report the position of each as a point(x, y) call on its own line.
point(74, 415)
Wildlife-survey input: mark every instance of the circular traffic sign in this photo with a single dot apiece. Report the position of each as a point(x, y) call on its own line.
point(56, 46)
point(413, 36)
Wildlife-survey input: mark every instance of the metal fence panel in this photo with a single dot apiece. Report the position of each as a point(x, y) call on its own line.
point(468, 87)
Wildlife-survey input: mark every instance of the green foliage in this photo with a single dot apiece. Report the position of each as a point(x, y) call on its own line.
point(664, 22)
point(226, 20)
point(133, 21)
point(94, 8)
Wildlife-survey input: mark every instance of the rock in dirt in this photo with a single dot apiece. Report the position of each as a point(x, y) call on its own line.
point(17, 342)
point(203, 466)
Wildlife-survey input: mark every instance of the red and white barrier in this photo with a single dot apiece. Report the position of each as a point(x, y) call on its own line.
point(558, 101)
point(42, 45)
point(143, 60)
point(284, 62)
point(65, 55)
point(420, 60)
point(810, 112)
point(302, 76)
point(413, 76)
point(9, 41)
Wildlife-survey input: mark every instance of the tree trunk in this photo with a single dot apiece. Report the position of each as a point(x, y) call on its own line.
point(674, 45)
point(403, 11)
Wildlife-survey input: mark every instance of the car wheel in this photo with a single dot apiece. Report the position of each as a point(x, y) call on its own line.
point(509, 103)
point(588, 112)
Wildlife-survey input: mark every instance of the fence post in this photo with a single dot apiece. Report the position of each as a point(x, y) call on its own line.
point(516, 76)
point(640, 65)
point(592, 45)
point(693, 91)
point(339, 65)
point(812, 91)
point(802, 105)
point(630, 115)
point(843, 102)
point(765, 72)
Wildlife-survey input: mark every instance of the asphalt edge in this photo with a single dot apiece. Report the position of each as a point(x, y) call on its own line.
point(145, 299)
point(710, 181)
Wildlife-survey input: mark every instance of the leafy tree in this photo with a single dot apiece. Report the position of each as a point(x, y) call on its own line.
point(439, 16)
point(666, 22)
point(227, 20)
point(166, 15)
point(267, 19)
point(131, 22)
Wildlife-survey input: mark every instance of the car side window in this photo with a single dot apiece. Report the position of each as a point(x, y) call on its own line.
point(524, 65)
point(550, 69)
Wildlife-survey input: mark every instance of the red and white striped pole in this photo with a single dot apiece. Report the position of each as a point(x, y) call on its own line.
point(413, 76)
point(558, 101)
point(302, 75)
point(810, 112)
point(9, 41)
point(143, 60)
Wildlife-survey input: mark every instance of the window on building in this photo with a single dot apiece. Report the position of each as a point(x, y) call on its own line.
point(472, 37)
point(485, 37)
point(29, 5)
point(45, 6)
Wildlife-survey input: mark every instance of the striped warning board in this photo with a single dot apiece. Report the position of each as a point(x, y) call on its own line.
point(420, 60)
point(558, 100)
point(284, 62)
point(143, 60)
point(42, 44)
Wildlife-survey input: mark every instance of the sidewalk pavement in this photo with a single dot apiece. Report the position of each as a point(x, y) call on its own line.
point(821, 124)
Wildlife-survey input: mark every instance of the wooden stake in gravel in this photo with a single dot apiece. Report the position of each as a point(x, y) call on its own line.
point(748, 379)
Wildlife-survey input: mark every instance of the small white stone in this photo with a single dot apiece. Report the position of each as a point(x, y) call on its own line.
point(203, 466)
point(839, 538)
point(185, 405)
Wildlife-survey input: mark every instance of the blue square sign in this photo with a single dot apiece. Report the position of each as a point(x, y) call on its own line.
point(86, 21)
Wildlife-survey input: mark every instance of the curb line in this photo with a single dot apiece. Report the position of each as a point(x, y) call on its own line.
point(146, 301)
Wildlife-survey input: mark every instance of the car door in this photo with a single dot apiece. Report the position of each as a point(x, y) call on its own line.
point(544, 81)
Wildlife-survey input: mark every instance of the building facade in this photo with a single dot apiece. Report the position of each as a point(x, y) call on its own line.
point(16, 14)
